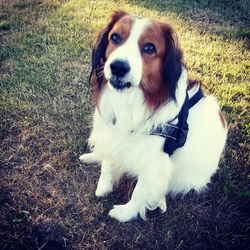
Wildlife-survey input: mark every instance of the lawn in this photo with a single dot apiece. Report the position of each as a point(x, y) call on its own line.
point(46, 195)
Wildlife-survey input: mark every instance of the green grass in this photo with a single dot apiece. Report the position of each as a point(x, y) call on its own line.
point(46, 108)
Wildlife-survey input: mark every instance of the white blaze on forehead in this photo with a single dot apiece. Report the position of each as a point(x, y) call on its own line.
point(138, 27)
point(130, 52)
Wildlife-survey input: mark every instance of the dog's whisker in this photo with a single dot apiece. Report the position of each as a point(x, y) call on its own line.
point(100, 74)
point(100, 68)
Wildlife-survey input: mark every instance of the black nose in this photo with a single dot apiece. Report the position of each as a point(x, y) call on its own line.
point(119, 68)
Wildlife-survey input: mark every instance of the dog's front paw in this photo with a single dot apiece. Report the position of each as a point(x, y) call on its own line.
point(103, 188)
point(88, 158)
point(123, 213)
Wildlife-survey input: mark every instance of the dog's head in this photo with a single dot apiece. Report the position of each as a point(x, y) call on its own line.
point(135, 52)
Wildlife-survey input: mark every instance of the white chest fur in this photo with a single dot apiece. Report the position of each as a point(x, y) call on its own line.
point(123, 109)
point(141, 154)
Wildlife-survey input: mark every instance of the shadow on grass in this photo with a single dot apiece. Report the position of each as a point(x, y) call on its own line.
point(229, 19)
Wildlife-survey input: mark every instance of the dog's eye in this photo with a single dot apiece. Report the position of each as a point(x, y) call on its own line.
point(149, 48)
point(115, 38)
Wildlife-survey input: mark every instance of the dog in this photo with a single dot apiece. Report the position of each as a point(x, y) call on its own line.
point(144, 123)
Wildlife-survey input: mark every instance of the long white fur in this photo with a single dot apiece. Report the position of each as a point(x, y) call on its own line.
point(121, 141)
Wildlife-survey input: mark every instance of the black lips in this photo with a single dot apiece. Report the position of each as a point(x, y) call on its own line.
point(117, 83)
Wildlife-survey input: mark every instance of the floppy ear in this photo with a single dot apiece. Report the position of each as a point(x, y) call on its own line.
point(172, 65)
point(98, 53)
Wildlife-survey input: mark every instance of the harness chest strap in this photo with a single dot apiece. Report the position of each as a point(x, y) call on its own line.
point(176, 135)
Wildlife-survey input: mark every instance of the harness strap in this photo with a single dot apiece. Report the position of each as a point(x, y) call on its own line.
point(194, 99)
point(176, 135)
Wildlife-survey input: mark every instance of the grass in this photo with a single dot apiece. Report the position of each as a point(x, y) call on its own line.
point(47, 196)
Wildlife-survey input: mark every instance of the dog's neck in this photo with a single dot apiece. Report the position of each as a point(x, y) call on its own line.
point(128, 111)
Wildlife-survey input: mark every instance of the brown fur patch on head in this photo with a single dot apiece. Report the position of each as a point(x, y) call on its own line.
point(192, 83)
point(99, 54)
point(122, 27)
point(157, 89)
point(154, 91)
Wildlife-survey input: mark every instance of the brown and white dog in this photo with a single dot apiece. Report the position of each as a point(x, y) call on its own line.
point(140, 83)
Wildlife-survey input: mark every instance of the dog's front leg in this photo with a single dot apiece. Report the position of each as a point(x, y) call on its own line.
point(149, 192)
point(89, 158)
point(110, 175)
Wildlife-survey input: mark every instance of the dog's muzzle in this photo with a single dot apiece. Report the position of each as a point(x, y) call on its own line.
point(119, 68)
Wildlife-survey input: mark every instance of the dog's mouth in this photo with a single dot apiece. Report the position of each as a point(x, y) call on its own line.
point(118, 83)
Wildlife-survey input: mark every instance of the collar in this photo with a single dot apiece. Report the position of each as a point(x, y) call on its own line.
point(176, 135)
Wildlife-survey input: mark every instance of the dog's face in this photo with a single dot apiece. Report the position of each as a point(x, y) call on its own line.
point(135, 52)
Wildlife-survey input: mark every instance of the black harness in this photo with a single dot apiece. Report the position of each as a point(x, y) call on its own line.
point(176, 135)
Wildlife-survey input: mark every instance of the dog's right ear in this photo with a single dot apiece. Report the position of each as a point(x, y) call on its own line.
point(98, 53)
point(173, 61)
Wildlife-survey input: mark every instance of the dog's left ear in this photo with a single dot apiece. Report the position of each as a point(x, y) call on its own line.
point(172, 65)
point(98, 53)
